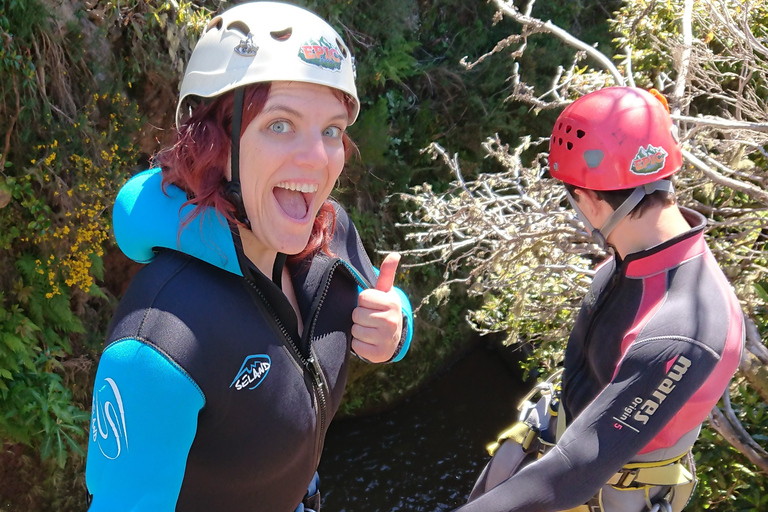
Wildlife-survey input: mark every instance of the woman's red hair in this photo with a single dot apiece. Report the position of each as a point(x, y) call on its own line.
point(197, 162)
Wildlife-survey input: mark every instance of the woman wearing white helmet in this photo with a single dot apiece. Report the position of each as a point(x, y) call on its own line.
point(228, 354)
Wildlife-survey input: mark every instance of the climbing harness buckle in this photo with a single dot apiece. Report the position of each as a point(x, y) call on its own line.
point(548, 387)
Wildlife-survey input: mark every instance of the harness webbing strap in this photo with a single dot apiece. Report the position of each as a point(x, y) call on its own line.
point(674, 473)
point(520, 432)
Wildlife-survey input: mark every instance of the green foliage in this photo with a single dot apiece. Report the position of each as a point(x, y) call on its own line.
point(37, 406)
point(69, 145)
point(727, 480)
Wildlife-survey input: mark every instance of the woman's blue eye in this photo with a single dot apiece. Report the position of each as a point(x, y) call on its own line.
point(332, 131)
point(280, 127)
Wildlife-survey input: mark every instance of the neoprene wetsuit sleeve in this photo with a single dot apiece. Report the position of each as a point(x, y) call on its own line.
point(354, 252)
point(143, 422)
point(596, 445)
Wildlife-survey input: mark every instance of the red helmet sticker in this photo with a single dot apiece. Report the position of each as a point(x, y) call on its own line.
point(648, 160)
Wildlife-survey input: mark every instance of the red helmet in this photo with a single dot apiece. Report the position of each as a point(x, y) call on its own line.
point(614, 138)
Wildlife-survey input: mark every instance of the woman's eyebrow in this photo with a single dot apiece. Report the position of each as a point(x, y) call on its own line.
point(282, 108)
point(342, 116)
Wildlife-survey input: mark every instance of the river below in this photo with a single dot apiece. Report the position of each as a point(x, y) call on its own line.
point(425, 454)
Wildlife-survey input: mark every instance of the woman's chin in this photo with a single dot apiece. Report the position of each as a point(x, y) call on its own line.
point(291, 245)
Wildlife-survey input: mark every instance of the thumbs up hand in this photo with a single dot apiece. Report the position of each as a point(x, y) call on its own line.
point(378, 317)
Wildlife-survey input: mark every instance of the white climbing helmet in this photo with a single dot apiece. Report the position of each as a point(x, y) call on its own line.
point(264, 42)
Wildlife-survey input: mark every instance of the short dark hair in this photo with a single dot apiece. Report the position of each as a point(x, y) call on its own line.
point(616, 198)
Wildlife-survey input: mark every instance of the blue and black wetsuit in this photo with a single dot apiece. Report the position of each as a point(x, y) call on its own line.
point(207, 396)
point(656, 342)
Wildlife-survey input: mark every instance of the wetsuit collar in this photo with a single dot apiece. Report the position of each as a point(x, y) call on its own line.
point(671, 253)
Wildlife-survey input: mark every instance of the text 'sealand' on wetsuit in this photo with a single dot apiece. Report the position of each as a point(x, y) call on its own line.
point(207, 396)
point(656, 342)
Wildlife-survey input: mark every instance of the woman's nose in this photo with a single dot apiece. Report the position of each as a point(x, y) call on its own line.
point(313, 152)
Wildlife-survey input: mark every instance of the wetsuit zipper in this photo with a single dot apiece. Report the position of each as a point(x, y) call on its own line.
point(310, 364)
point(310, 367)
point(317, 375)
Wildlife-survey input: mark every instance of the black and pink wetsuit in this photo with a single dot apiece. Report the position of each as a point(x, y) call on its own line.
point(657, 340)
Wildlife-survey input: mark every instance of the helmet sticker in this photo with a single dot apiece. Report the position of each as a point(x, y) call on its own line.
point(321, 53)
point(648, 160)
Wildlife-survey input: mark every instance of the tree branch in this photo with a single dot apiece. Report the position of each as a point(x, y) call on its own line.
point(727, 425)
point(740, 186)
point(719, 122)
point(684, 62)
point(508, 8)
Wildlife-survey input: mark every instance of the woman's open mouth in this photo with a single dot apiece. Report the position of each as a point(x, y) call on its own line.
point(294, 198)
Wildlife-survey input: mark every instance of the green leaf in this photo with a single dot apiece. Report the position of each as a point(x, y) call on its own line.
point(14, 343)
point(97, 266)
point(61, 450)
point(95, 291)
point(760, 288)
point(45, 448)
point(74, 445)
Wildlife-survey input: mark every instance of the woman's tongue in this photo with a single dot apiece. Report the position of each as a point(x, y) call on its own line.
point(291, 201)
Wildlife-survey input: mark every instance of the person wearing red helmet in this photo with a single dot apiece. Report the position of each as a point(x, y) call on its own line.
point(659, 334)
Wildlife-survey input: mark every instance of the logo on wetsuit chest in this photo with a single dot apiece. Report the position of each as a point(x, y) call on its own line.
point(253, 372)
point(643, 413)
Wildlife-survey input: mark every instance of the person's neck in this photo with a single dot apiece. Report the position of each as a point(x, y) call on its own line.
point(656, 226)
point(254, 250)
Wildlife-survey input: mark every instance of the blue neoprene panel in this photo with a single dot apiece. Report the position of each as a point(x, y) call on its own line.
point(408, 314)
point(143, 422)
point(144, 218)
point(405, 304)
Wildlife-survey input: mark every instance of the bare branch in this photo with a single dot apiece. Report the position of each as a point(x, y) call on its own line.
point(719, 122)
point(508, 8)
point(685, 58)
point(728, 426)
point(753, 191)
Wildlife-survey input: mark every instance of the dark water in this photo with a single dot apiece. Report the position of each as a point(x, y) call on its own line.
point(426, 453)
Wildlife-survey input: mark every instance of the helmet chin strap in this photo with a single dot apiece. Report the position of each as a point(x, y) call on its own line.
point(234, 190)
point(601, 234)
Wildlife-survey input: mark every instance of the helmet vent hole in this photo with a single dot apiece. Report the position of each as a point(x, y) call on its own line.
point(560, 141)
point(570, 145)
point(568, 129)
point(580, 133)
point(240, 27)
point(216, 23)
point(282, 35)
point(343, 48)
point(560, 126)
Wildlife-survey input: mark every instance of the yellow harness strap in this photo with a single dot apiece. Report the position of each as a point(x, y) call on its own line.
point(670, 472)
point(520, 432)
